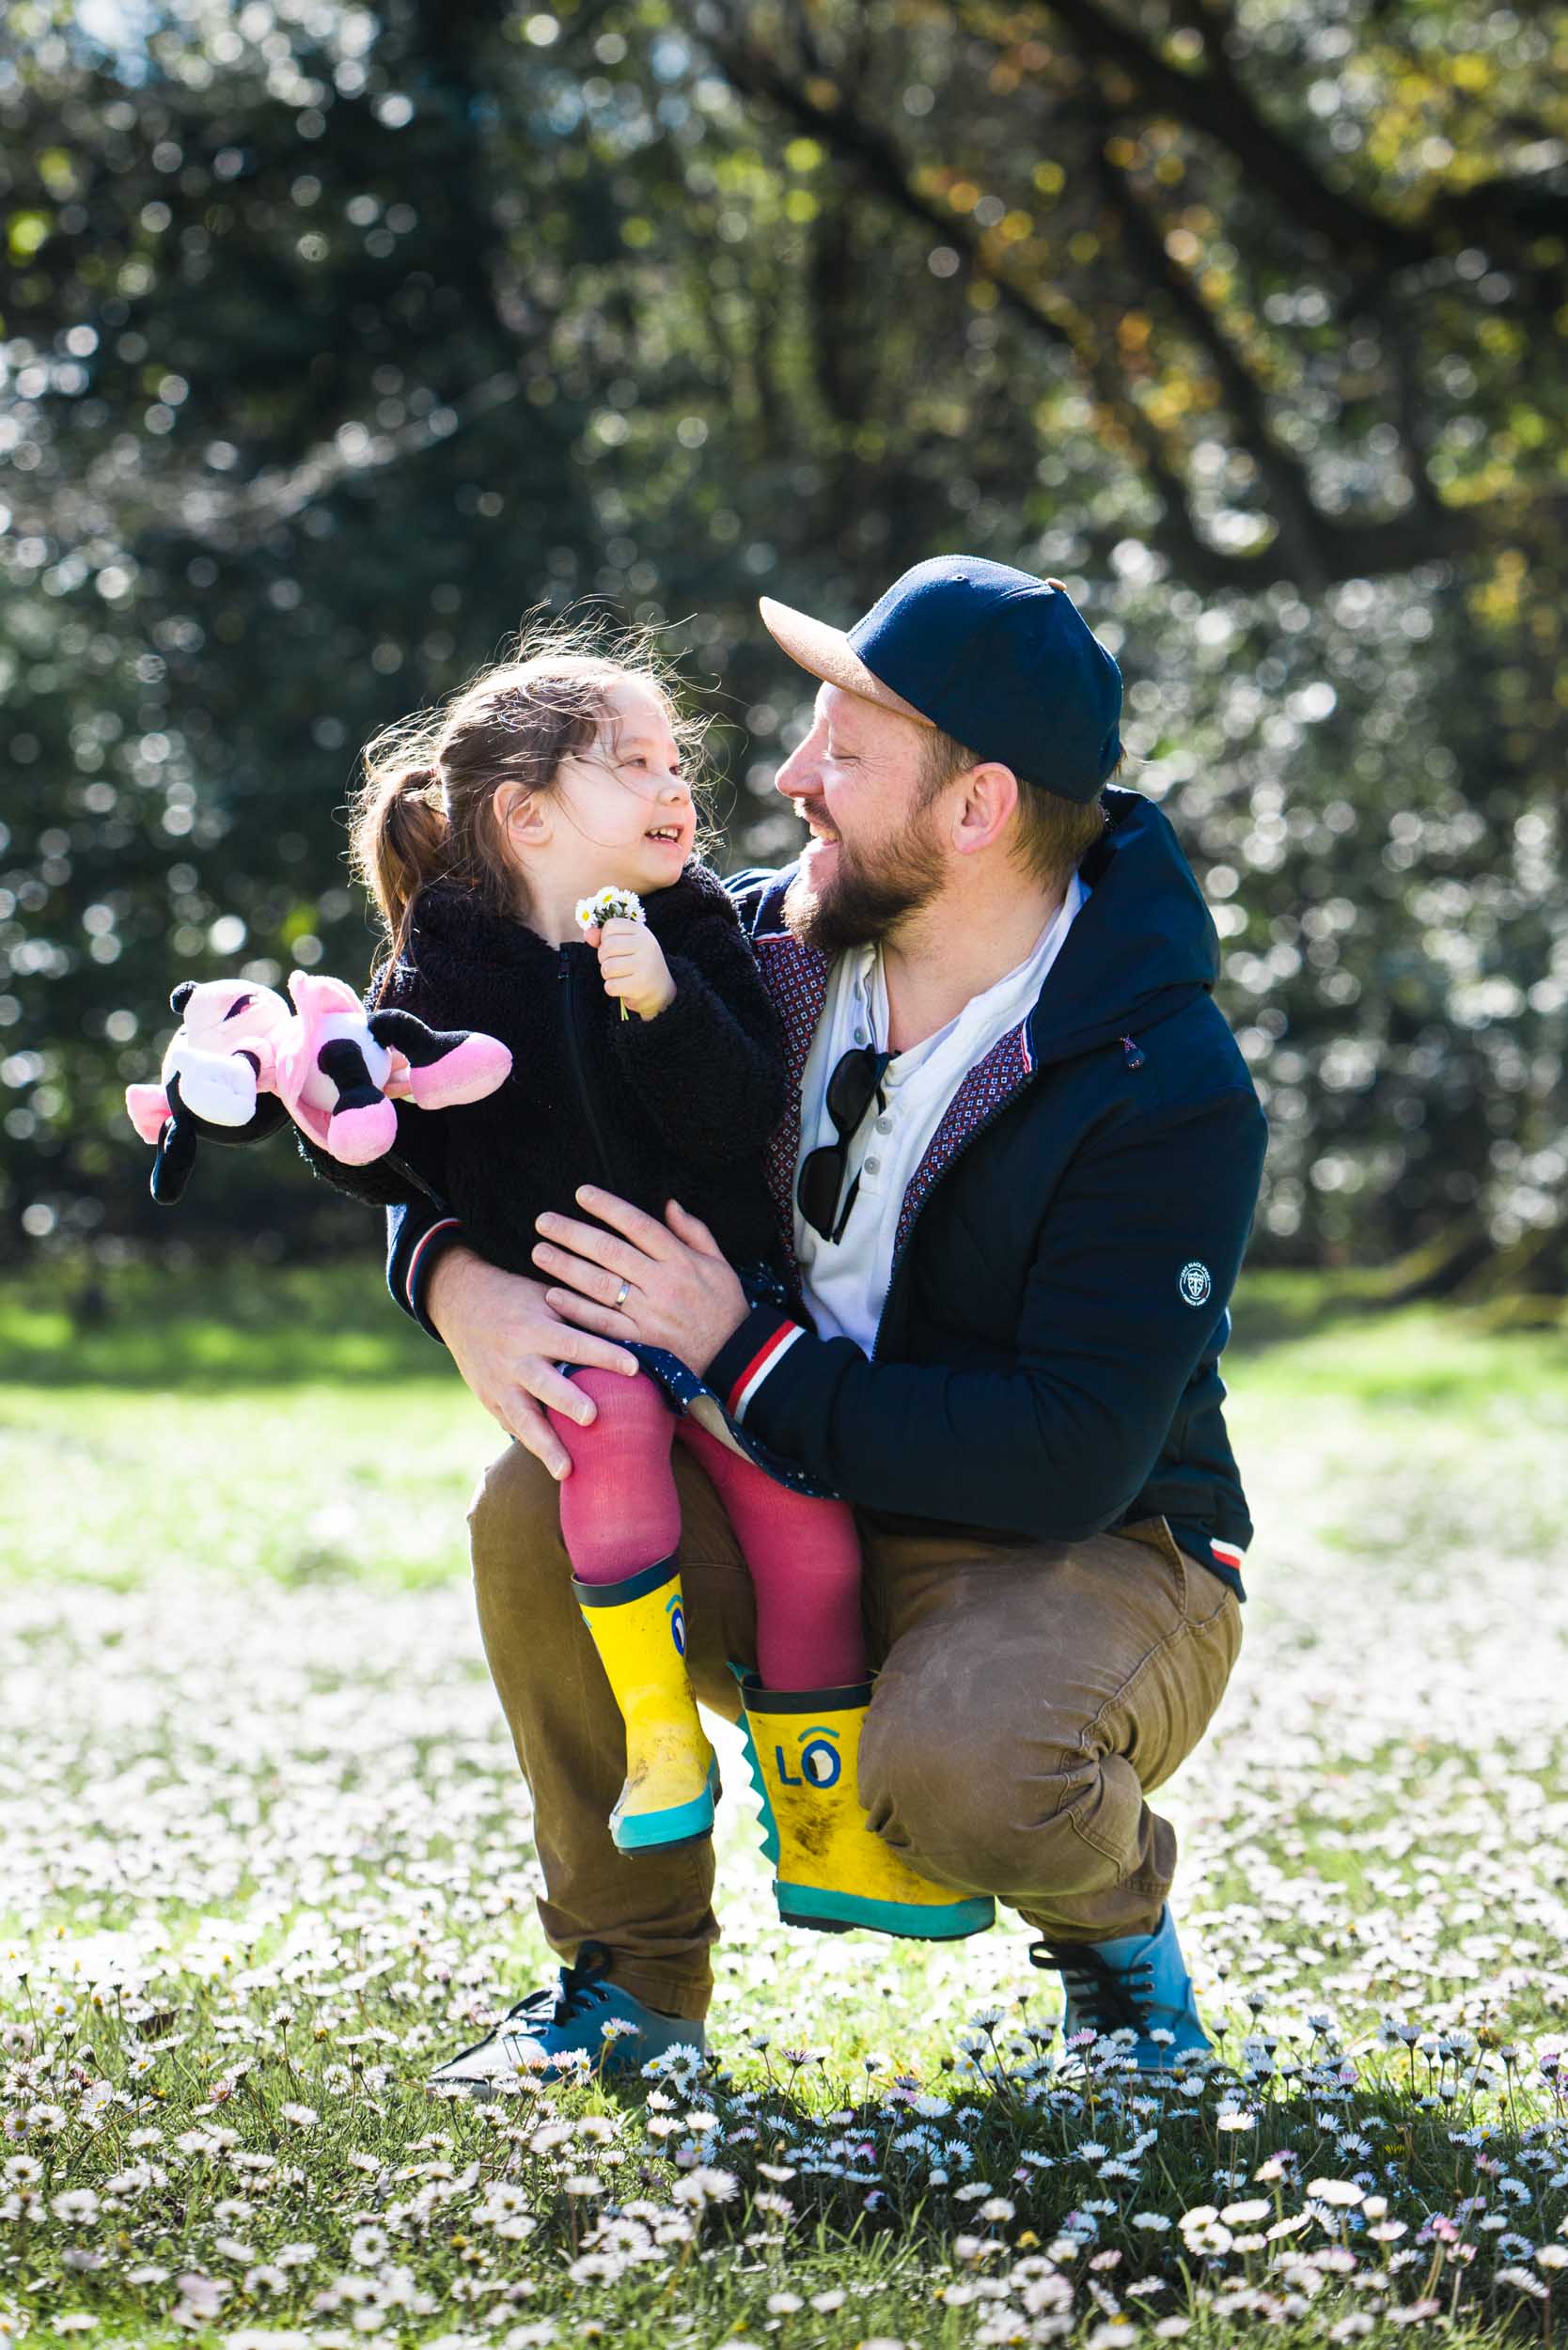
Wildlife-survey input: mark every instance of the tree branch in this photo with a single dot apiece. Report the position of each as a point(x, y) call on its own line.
point(1334, 550)
point(1300, 523)
point(1214, 102)
point(755, 74)
point(238, 517)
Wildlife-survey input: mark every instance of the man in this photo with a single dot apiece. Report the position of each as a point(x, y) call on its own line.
point(1020, 1184)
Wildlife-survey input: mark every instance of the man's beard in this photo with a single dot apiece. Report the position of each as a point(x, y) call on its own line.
point(868, 897)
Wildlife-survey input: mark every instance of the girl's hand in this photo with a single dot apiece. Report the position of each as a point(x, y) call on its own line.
point(632, 966)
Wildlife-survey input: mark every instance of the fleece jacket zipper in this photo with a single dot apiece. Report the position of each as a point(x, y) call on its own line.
point(580, 1074)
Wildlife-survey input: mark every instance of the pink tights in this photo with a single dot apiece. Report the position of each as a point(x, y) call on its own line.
point(619, 1513)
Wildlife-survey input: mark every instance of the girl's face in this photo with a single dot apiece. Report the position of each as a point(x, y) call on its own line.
point(619, 813)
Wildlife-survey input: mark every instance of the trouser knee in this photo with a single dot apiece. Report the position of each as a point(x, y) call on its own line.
point(1066, 1824)
point(514, 1523)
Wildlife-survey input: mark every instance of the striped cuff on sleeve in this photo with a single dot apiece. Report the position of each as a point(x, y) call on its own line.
point(421, 1264)
point(743, 1363)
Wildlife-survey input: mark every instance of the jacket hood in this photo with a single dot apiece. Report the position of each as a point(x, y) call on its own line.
point(1141, 946)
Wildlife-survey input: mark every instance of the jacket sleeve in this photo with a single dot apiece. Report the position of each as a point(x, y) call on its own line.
point(417, 1236)
point(1058, 1445)
point(414, 1168)
point(710, 1070)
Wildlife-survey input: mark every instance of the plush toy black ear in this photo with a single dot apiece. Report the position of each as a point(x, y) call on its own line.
point(177, 1151)
point(182, 995)
point(184, 1131)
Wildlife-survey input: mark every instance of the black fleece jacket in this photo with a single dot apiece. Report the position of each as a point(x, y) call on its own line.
point(679, 1106)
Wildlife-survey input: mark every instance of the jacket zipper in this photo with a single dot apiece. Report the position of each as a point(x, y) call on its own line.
point(1135, 1058)
point(575, 1054)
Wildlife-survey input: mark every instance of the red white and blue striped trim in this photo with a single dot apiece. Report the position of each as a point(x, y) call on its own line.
point(755, 1369)
point(410, 1279)
point(1226, 1555)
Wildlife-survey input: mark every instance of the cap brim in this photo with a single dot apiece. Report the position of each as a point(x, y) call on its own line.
point(826, 652)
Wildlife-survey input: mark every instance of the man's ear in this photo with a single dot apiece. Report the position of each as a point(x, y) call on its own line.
point(986, 809)
point(520, 814)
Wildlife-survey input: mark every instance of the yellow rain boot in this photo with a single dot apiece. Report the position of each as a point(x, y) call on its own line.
point(831, 1871)
point(639, 1629)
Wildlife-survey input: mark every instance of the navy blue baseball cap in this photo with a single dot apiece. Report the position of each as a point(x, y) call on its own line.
point(1003, 661)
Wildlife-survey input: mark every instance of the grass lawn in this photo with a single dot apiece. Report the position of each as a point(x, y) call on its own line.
point(267, 1858)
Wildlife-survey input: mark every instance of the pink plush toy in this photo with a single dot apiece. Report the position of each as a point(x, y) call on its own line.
point(241, 1061)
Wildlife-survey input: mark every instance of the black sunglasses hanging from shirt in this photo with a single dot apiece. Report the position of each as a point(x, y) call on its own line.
point(855, 1084)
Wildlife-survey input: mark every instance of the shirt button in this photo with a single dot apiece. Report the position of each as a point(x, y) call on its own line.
point(872, 1166)
point(884, 1125)
point(860, 1036)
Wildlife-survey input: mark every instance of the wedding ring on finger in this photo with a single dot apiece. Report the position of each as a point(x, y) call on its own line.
point(622, 1293)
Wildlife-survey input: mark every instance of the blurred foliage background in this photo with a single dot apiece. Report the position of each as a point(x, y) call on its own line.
point(335, 339)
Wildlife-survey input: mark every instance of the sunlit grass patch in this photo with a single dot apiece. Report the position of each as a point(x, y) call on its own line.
point(301, 1483)
point(185, 1325)
point(267, 1861)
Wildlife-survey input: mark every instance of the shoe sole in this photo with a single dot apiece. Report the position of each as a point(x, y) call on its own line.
point(483, 2092)
point(678, 1823)
point(486, 2092)
point(909, 1921)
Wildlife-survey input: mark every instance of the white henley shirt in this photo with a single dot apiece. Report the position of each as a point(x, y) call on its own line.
point(846, 1282)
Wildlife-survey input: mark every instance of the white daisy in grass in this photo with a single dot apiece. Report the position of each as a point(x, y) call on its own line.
point(346, 1838)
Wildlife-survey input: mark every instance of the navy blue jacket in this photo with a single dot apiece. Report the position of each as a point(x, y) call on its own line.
point(1047, 1363)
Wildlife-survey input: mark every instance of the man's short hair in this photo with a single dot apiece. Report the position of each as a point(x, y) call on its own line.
point(1054, 835)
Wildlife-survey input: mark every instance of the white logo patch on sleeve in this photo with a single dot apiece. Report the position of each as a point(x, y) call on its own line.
point(1194, 1282)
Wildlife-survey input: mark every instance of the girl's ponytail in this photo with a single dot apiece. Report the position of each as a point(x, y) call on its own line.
point(400, 838)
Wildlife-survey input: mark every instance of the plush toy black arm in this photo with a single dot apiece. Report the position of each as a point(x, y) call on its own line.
point(710, 1070)
point(414, 1037)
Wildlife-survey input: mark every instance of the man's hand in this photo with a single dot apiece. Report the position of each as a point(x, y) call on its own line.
point(506, 1340)
point(632, 966)
point(681, 1294)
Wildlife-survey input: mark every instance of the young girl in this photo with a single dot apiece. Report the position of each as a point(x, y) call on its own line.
point(644, 1058)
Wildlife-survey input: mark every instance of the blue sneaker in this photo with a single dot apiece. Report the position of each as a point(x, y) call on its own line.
point(1139, 1985)
point(584, 2028)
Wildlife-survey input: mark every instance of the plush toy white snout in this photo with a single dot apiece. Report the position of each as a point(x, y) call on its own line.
point(223, 1053)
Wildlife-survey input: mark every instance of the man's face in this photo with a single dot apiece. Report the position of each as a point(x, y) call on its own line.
point(873, 857)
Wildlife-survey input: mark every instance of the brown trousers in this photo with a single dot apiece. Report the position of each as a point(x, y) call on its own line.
point(1027, 1699)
